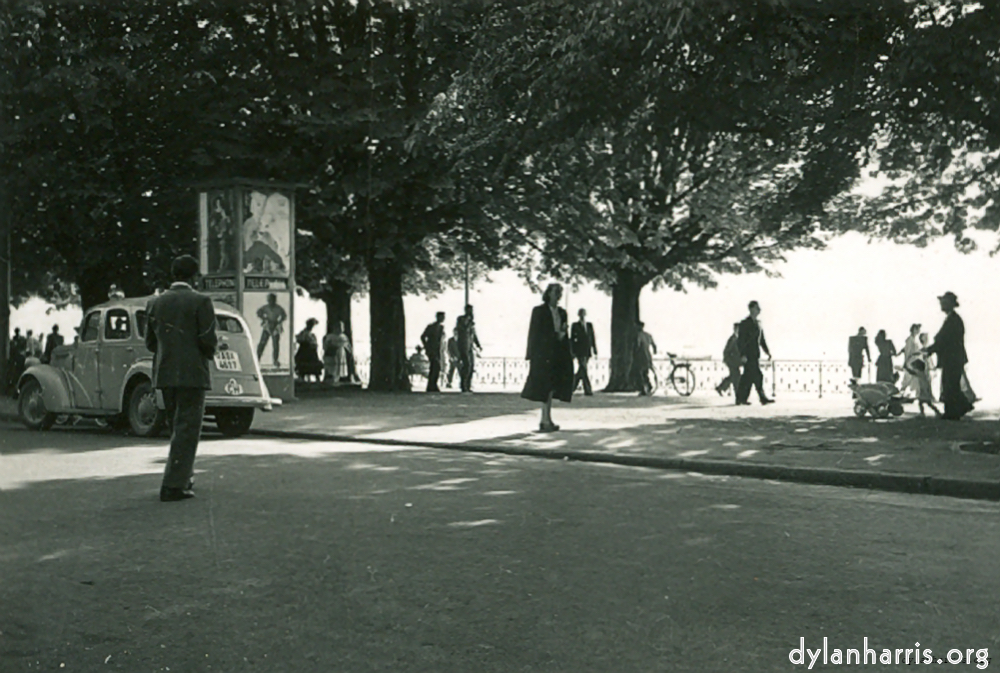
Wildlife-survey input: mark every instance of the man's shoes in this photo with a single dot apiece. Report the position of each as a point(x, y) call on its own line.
point(766, 400)
point(168, 494)
point(744, 403)
point(719, 390)
point(588, 394)
point(547, 427)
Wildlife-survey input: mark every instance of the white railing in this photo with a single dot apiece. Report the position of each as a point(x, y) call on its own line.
point(810, 377)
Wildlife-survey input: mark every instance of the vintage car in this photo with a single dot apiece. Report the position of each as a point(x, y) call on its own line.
point(107, 374)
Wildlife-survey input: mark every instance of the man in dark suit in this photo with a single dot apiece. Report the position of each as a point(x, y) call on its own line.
point(433, 341)
point(750, 342)
point(52, 342)
point(584, 347)
point(180, 332)
point(949, 345)
point(468, 346)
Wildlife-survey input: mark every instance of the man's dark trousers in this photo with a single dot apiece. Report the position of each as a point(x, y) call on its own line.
point(732, 380)
point(185, 410)
point(752, 376)
point(434, 374)
point(581, 375)
point(466, 368)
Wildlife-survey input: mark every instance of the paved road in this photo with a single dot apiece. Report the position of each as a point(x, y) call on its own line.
point(308, 556)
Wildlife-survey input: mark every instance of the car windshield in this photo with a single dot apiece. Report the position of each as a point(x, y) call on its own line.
point(225, 323)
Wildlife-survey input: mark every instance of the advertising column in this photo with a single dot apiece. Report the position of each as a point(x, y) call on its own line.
point(266, 261)
point(248, 261)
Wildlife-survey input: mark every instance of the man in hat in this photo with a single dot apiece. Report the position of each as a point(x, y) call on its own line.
point(949, 345)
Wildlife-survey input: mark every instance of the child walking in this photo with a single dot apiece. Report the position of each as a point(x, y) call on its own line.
point(918, 370)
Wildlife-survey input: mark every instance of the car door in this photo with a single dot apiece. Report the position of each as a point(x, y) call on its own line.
point(116, 355)
point(86, 364)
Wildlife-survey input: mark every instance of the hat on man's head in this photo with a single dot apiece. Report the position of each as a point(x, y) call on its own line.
point(949, 296)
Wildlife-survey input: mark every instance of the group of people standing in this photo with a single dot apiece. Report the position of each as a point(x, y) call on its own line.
point(22, 350)
point(336, 365)
point(919, 361)
point(459, 351)
point(741, 356)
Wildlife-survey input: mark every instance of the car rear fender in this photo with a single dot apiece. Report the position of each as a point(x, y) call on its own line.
point(55, 387)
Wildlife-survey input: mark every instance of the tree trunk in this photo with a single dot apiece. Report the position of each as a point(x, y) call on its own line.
point(338, 300)
point(625, 292)
point(388, 370)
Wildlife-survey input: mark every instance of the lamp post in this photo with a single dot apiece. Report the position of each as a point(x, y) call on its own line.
point(466, 280)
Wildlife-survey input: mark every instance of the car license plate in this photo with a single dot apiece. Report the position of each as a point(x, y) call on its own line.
point(227, 361)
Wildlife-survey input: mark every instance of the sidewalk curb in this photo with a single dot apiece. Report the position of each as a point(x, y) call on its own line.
point(877, 481)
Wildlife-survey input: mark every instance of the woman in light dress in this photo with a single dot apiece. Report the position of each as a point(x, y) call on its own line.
point(911, 350)
point(336, 346)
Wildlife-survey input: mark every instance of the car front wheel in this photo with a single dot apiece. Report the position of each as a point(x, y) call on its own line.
point(31, 407)
point(234, 422)
point(144, 418)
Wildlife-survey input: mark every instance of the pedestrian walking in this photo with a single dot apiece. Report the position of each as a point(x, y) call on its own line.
point(550, 374)
point(584, 347)
point(883, 365)
point(949, 346)
point(53, 341)
point(731, 358)
point(336, 347)
point(857, 350)
point(468, 347)
point(180, 331)
point(751, 342)
point(918, 371)
point(645, 347)
point(434, 346)
point(911, 350)
point(453, 358)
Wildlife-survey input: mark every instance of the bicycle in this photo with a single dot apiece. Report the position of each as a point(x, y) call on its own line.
point(681, 376)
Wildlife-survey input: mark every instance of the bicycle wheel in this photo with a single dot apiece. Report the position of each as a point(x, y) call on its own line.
point(682, 379)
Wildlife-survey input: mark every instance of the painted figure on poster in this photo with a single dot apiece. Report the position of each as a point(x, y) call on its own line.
point(272, 324)
point(266, 233)
point(220, 228)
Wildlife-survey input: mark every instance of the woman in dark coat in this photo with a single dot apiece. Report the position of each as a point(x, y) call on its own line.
point(307, 362)
point(949, 345)
point(886, 351)
point(551, 371)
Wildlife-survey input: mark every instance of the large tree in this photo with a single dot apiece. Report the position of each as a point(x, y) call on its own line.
point(939, 149)
point(122, 108)
point(645, 142)
point(358, 84)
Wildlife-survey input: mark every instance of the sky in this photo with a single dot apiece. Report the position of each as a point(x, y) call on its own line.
point(819, 299)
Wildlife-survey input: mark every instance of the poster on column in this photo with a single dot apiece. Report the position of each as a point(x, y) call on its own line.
point(268, 313)
point(266, 233)
point(219, 231)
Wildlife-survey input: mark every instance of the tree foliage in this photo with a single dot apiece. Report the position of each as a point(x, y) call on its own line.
point(644, 142)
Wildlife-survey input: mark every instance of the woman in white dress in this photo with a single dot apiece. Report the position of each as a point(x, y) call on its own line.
point(336, 345)
point(911, 350)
